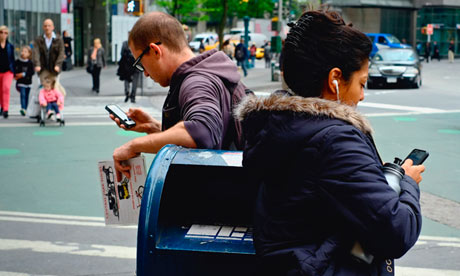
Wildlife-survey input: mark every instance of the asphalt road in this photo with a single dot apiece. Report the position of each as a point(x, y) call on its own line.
point(51, 206)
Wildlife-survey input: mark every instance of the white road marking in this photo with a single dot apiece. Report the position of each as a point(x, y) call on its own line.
point(9, 273)
point(401, 107)
point(57, 219)
point(416, 271)
point(99, 250)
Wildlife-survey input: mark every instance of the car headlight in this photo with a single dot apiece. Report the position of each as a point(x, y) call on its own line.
point(411, 70)
point(374, 70)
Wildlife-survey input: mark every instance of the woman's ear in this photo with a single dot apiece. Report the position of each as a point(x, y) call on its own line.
point(333, 82)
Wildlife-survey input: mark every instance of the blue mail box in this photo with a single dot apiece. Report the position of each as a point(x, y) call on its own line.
point(196, 215)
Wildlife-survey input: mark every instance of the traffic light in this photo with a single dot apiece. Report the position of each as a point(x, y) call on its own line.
point(423, 30)
point(136, 7)
point(275, 24)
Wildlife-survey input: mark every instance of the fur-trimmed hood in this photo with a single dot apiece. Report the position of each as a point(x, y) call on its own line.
point(278, 102)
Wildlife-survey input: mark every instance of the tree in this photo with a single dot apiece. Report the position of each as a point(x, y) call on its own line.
point(220, 9)
point(183, 10)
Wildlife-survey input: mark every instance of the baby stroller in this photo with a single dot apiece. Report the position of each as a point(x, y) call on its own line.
point(44, 116)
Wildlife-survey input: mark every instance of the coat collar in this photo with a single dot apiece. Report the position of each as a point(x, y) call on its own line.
point(314, 106)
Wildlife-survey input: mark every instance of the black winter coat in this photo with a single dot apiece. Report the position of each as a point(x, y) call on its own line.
point(322, 188)
point(125, 65)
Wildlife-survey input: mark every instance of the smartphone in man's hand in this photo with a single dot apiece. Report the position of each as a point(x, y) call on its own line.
point(121, 115)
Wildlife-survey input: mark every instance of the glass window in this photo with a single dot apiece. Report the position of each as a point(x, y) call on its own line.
point(395, 55)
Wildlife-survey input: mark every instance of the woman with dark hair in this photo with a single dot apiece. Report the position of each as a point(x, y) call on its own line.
point(67, 64)
point(322, 189)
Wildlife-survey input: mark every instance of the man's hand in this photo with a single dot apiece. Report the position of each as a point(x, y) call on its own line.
point(415, 172)
point(120, 155)
point(144, 122)
point(38, 68)
point(57, 69)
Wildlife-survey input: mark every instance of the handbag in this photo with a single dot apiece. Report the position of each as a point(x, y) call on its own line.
point(89, 68)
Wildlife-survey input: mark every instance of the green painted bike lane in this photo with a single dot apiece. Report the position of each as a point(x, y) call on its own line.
point(54, 170)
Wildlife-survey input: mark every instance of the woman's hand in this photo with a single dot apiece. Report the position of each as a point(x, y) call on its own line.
point(415, 172)
point(144, 122)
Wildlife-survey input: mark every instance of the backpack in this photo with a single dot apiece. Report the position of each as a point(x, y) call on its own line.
point(239, 53)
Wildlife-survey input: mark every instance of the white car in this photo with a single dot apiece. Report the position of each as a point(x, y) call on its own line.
point(206, 38)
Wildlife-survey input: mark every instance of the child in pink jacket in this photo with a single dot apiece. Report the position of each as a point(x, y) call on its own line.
point(51, 98)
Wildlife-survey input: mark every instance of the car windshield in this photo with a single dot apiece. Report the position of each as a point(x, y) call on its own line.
point(199, 39)
point(393, 39)
point(395, 55)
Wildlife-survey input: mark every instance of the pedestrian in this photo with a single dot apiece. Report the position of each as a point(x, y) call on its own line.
point(67, 64)
point(427, 51)
point(24, 71)
point(51, 99)
point(96, 60)
point(48, 54)
point(201, 49)
point(6, 70)
point(128, 73)
point(227, 48)
point(284, 85)
point(451, 51)
point(267, 55)
point(252, 54)
point(241, 56)
point(320, 178)
point(436, 51)
point(197, 112)
point(418, 48)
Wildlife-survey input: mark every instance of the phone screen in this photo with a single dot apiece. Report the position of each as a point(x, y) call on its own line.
point(418, 156)
point(121, 115)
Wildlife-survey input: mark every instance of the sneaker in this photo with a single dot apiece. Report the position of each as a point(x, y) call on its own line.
point(22, 111)
point(49, 114)
point(126, 98)
point(5, 114)
point(133, 100)
point(58, 117)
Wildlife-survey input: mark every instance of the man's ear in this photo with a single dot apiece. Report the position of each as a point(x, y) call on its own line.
point(334, 75)
point(156, 50)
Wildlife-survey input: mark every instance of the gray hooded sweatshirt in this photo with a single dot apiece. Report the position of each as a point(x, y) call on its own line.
point(200, 96)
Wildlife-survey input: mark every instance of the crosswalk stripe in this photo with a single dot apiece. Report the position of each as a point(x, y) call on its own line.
point(99, 250)
point(416, 271)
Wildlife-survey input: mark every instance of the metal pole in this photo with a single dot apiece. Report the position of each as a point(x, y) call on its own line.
point(280, 15)
point(2, 15)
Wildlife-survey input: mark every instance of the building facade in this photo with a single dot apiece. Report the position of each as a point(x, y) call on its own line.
point(405, 19)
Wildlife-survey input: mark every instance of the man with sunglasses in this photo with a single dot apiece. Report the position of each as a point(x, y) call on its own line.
point(197, 112)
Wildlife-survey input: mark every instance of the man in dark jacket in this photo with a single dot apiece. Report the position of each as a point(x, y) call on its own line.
point(49, 54)
point(241, 56)
point(203, 89)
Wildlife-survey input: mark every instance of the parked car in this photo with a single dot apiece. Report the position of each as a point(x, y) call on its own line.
point(206, 38)
point(382, 41)
point(395, 67)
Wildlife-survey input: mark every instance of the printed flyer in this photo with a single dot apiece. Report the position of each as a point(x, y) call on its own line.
point(122, 200)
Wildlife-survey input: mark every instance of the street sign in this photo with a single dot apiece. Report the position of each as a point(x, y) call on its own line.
point(429, 29)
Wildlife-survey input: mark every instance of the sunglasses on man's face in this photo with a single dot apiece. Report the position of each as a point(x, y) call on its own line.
point(137, 63)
